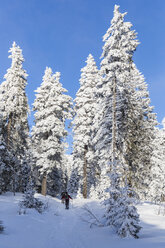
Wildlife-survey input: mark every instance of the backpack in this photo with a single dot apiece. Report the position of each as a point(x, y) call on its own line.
point(66, 196)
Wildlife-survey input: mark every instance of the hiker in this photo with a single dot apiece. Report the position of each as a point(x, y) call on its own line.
point(66, 197)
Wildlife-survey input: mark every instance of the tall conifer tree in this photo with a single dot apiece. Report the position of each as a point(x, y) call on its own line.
point(83, 175)
point(52, 108)
point(14, 109)
point(120, 210)
point(132, 102)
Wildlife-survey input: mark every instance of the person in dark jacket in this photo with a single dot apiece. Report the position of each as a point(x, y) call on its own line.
point(66, 198)
point(62, 197)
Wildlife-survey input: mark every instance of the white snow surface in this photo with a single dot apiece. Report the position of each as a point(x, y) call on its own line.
point(60, 228)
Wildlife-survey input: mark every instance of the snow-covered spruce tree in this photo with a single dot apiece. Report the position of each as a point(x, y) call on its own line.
point(83, 175)
point(120, 43)
point(127, 219)
point(138, 146)
point(14, 109)
point(157, 184)
point(29, 200)
point(117, 66)
point(52, 107)
point(120, 210)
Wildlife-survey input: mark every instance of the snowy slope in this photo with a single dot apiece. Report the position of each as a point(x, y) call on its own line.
point(60, 228)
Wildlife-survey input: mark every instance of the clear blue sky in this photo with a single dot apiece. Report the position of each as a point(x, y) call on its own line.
point(61, 34)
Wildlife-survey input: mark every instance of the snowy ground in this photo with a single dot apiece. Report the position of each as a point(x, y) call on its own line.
point(60, 228)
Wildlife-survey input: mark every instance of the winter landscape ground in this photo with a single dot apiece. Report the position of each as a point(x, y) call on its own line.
point(109, 129)
point(60, 228)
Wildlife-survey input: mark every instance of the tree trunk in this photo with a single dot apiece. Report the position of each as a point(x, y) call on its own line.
point(44, 189)
point(85, 173)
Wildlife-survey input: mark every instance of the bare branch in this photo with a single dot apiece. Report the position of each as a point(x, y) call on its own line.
point(93, 220)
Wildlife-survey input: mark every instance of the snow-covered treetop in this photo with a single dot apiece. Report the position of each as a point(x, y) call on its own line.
point(16, 70)
point(50, 93)
point(17, 57)
point(89, 75)
point(13, 88)
point(85, 96)
point(119, 38)
point(48, 75)
point(48, 79)
point(90, 68)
